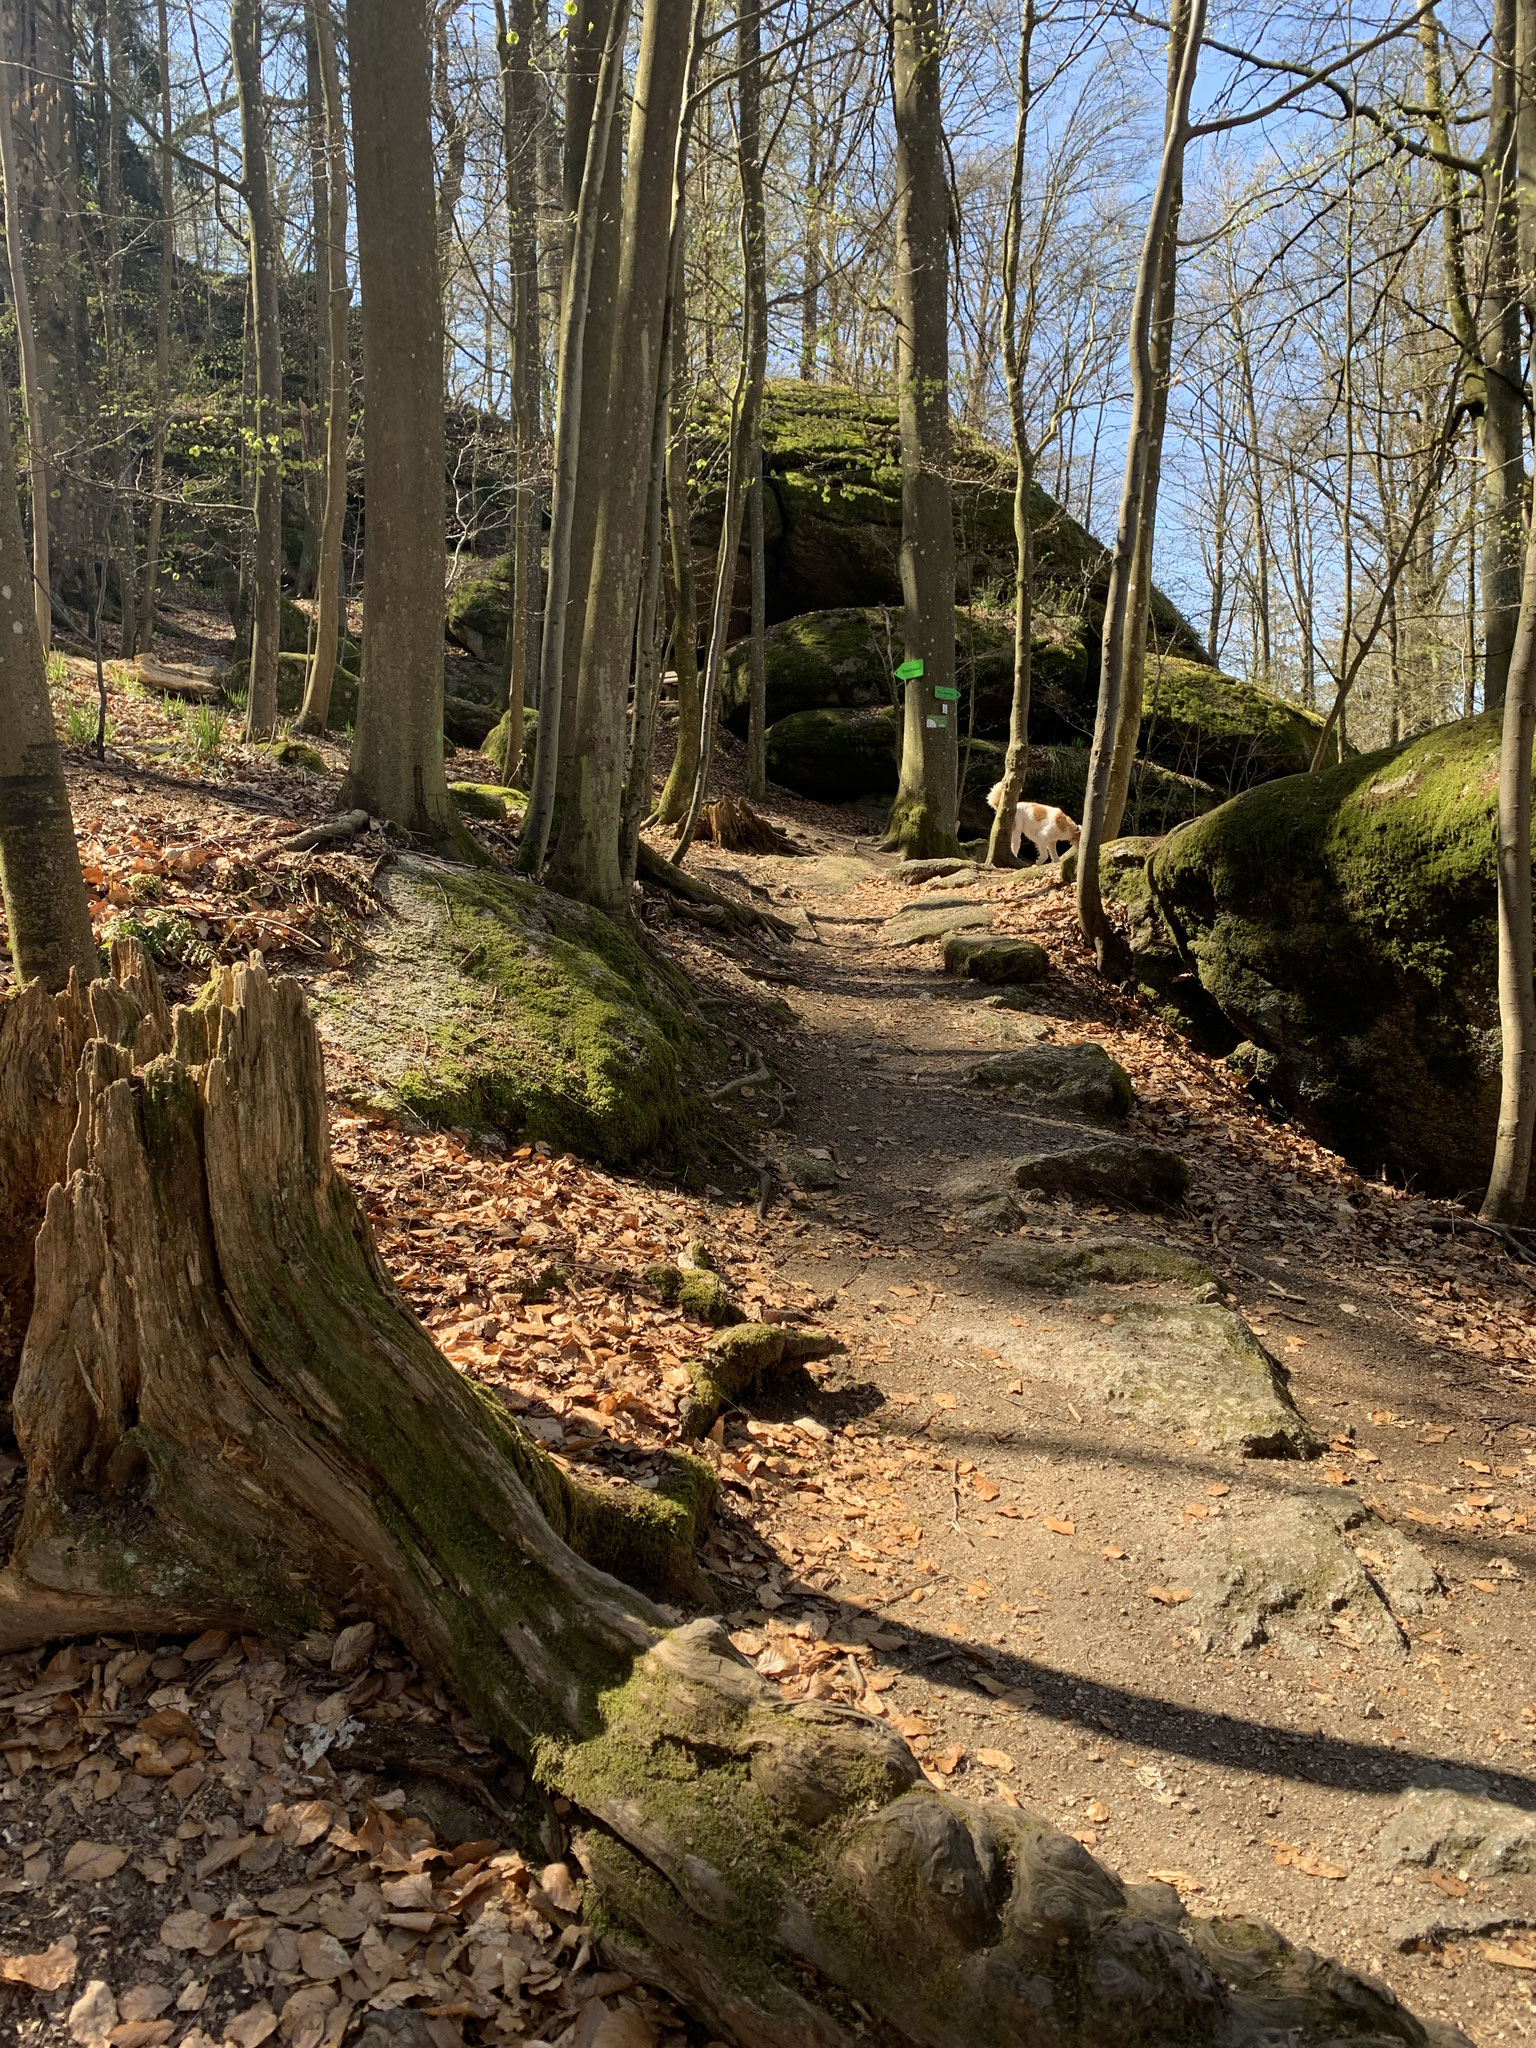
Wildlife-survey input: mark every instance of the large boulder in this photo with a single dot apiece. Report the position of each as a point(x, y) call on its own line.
point(1081, 1078)
point(1344, 924)
point(839, 754)
point(488, 1003)
point(1197, 723)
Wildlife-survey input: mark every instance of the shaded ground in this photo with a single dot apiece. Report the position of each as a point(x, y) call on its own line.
point(945, 1523)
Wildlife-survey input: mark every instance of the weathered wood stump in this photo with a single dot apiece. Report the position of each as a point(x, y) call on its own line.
point(230, 1415)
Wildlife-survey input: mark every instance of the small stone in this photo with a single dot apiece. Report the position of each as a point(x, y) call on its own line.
point(1453, 1819)
point(808, 1171)
point(1080, 1078)
point(995, 960)
point(995, 1211)
point(1106, 1169)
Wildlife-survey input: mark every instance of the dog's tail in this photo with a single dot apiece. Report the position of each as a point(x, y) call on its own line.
point(994, 796)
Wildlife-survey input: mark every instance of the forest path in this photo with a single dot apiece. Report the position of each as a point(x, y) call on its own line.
point(1008, 1524)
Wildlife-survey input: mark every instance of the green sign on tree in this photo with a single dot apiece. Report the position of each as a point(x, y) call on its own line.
point(910, 670)
point(945, 694)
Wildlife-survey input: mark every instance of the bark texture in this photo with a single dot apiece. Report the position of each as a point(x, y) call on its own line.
point(397, 756)
point(229, 1414)
point(45, 906)
point(267, 414)
point(924, 815)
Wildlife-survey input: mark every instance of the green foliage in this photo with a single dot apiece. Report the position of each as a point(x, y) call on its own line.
point(80, 722)
point(165, 935)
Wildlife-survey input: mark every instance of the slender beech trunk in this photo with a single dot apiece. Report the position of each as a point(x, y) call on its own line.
point(586, 857)
point(923, 818)
point(571, 400)
point(397, 756)
point(519, 128)
point(266, 455)
point(1509, 1184)
point(1503, 420)
point(747, 407)
point(455, 139)
point(162, 332)
point(316, 710)
point(1016, 763)
point(26, 334)
point(677, 791)
point(45, 905)
point(757, 642)
point(642, 714)
point(1090, 904)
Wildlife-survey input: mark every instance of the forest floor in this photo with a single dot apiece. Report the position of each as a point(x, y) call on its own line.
point(945, 1523)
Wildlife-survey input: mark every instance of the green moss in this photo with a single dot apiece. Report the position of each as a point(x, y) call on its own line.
point(494, 748)
point(701, 1294)
point(491, 800)
point(294, 754)
point(1345, 923)
point(479, 608)
point(490, 1003)
point(736, 1361)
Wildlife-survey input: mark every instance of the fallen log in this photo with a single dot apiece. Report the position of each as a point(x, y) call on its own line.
point(229, 1415)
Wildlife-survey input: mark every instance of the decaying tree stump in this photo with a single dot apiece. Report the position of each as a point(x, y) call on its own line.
point(230, 1415)
point(734, 825)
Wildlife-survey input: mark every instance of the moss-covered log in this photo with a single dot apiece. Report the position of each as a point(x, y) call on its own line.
point(230, 1415)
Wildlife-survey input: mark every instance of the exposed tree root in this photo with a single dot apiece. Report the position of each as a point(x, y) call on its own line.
point(230, 1415)
point(742, 918)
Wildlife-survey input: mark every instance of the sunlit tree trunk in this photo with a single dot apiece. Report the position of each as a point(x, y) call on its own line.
point(1503, 421)
point(267, 426)
point(677, 791)
point(26, 336)
point(396, 769)
point(519, 121)
point(162, 331)
point(923, 817)
point(332, 262)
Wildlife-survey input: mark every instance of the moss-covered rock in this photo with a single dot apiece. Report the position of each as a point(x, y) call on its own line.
point(490, 1003)
point(736, 1361)
point(1064, 1268)
point(494, 748)
point(1106, 1170)
point(479, 607)
point(1078, 1078)
point(1344, 923)
point(995, 961)
point(295, 754)
point(697, 1290)
point(492, 800)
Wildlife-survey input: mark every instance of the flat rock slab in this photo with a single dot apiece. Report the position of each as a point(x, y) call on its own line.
point(1195, 1371)
point(1453, 1819)
point(1106, 1170)
point(1309, 1567)
point(914, 871)
point(1058, 1268)
point(994, 961)
point(1079, 1078)
point(937, 921)
point(829, 874)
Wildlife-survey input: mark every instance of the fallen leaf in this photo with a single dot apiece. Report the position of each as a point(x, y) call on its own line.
point(1113, 1553)
point(144, 2001)
point(943, 1400)
point(1061, 1525)
point(49, 1971)
point(93, 2015)
point(623, 2029)
point(559, 1887)
point(1179, 1879)
point(1508, 1958)
point(995, 1759)
point(252, 2026)
point(1442, 1880)
point(1289, 1857)
point(1195, 1511)
point(322, 1957)
point(978, 1589)
point(1169, 1596)
point(94, 1860)
point(1483, 1585)
point(947, 1761)
point(985, 1488)
point(1098, 1812)
point(1218, 1489)
point(185, 1930)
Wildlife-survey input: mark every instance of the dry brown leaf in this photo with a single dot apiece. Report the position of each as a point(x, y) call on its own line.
point(92, 1861)
point(1508, 1957)
point(947, 1761)
point(1443, 1881)
point(1169, 1596)
point(985, 1488)
point(1483, 1585)
point(322, 1957)
point(944, 1400)
point(252, 2027)
point(1098, 1812)
point(141, 2033)
point(559, 1887)
point(1112, 1552)
point(1218, 1489)
point(995, 1759)
point(1179, 1879)
point(1061, 1525)
point(93, 2015)
point(50, 1970)
point(623, 2029)
point(978, 1589)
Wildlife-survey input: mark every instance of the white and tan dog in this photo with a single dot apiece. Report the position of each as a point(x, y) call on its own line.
point(1042, 825)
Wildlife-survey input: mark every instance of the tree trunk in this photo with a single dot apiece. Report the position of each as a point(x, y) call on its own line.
point(1016, 762)
point(1090, 905)
point(316, 708)
point(267, 459)
point(1509, 1184)
point(923, 818)
point(397, 756)
point(586, 858)
point(747, 408)
point(162, 332)
point(1503, 420)
point(251, 1428)
point(572, 398)
point(455, 141)
point(45, 906)
point(757, 641)
point(647, 690)
point(519, 129)
point(677, 791)
point(31, 386)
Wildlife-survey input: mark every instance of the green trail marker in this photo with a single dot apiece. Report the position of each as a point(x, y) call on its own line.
point(945, 694)
point(910, 670)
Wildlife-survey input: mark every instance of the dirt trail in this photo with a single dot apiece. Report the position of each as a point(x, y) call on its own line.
point(1007, 1524)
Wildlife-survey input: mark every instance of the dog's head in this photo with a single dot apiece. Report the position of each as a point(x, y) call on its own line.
point(1071, 831)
